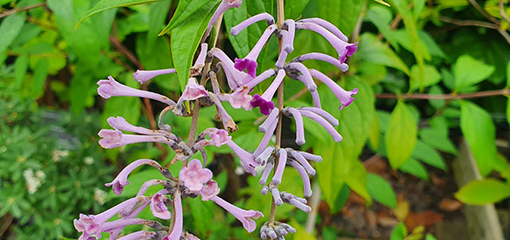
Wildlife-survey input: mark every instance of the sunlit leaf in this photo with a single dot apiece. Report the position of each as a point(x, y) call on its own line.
point(380, 190)
point(469, 71)
point(401, 135)
point(480, 192)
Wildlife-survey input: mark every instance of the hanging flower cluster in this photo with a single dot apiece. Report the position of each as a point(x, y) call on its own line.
point(194, 178)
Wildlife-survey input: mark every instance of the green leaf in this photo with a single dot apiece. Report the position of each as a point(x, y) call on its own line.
point(20, 69)
point(480, 192)
point(343, 14)
point(415, 168)
point(39, 78)
point(428, 155)
point(341, 198)
point(373, 50)
point(508, 74)
point(9, 29)
point(401, 135)
point(157, 18)
point(432, 77)
point(341, 164)
point(430, 237)
point(185, 10)
point(508, 111)
point(381, 17)
point(399, 232)
point(380, 190)
point(104, 5)
point(480, 133)
point(437, 135)
point(294, 8)
point(186, 37)
point(202, 212)
point(468, 71)
point(246, 39)
point(382, 2)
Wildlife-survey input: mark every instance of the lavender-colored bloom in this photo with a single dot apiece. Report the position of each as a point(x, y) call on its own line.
point(235, 78)
point(210, 190)
point(241, 99)
point(265, 140)
point(177, 230)
point(343, 48)
point(288, 42)
point(200, 62)
point(218, 136)
point(261, 159)
point(244, 216)
point(249, 63)
point(307, 191)
point(327, 25)
point(228, 122)
point(90, 225)
point(119, 123)
point(294, 68)
point(158, 206)
point(295, 201)
point(115, 138)
point(345, 97)
point(269, 120)
point(265, 106)
point(244, 24)
point(110, 87)
point(143, 76)
point(246, 158)
point(194, 176)
point(121, 180)
point(264, 101)
point(323, 57)
point(222, 8)
point(323, 114)
point(260, 78)
point(282, 161)
point(297, 155)
point(266, 172)
point(282, 57)
point(140, 235)
point(331, 130)
point(300, 130)
point(193, 91)
point(277, 230)
point(147, 184)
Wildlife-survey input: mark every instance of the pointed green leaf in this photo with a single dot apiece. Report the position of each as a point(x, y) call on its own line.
point(186, 37)
point(382, 2)
point(399, 232)
point(401, 135)
point(432, 77)
point(294, 8)
point(480, 133)
point(343, 14)
point(428, 155)
point(104, 5)
point(468, 71)
point(508, 74)
point(9, 29)
point(373, 50)
point(480, 192)
point(39, 78)
point(415, 168)
point(186, 9)
point(380, 190)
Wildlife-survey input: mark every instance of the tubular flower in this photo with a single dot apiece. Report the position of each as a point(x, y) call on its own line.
point(144, 76)
point(194, 176)
point(121, 180)
point(109, 88)
point(244, 216)
point(249, 63)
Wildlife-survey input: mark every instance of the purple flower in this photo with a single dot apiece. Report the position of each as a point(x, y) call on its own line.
point(200, 62)
point(110, 87)
point(121, 180)
point(307, 191)
point(222, 8)
point(327, 25)
point(210, 190)
point(158, 206)
point(193, 91)
point(244, 24)
point(345, 97)
point(265, 106)
point(264, 101)
point(244, 216)
point(235, 78)
point(343, 48)
point(219, 137)
point(247, 159)
point(282, 161)
point(91, 225)
point(194, 176)
point(119, 123)
point(143, 76)
point(249, 63)
point(177, 230)
point(140, 235)
point(241, 99)
point(115, 138)
point(323, 57)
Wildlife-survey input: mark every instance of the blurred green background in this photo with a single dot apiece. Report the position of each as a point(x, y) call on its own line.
point(429, 73)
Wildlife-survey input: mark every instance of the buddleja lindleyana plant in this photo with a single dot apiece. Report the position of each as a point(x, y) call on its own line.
point(194, 178)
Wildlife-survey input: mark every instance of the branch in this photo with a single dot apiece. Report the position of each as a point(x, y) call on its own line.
point(453, 96)
point(483, 12)
point(502, 11)
point(21, 9)
point(469, 23)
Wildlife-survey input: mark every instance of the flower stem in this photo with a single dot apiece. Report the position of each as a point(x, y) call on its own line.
point(279, 104)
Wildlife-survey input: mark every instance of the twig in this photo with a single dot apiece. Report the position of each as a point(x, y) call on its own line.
point(122, 49)
point(502, 11)
point(21, 9)
point(483, 12)
point(469, 23)
point(453, 96)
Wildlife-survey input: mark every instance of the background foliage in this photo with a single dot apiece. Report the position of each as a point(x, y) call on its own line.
point(419, 66)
